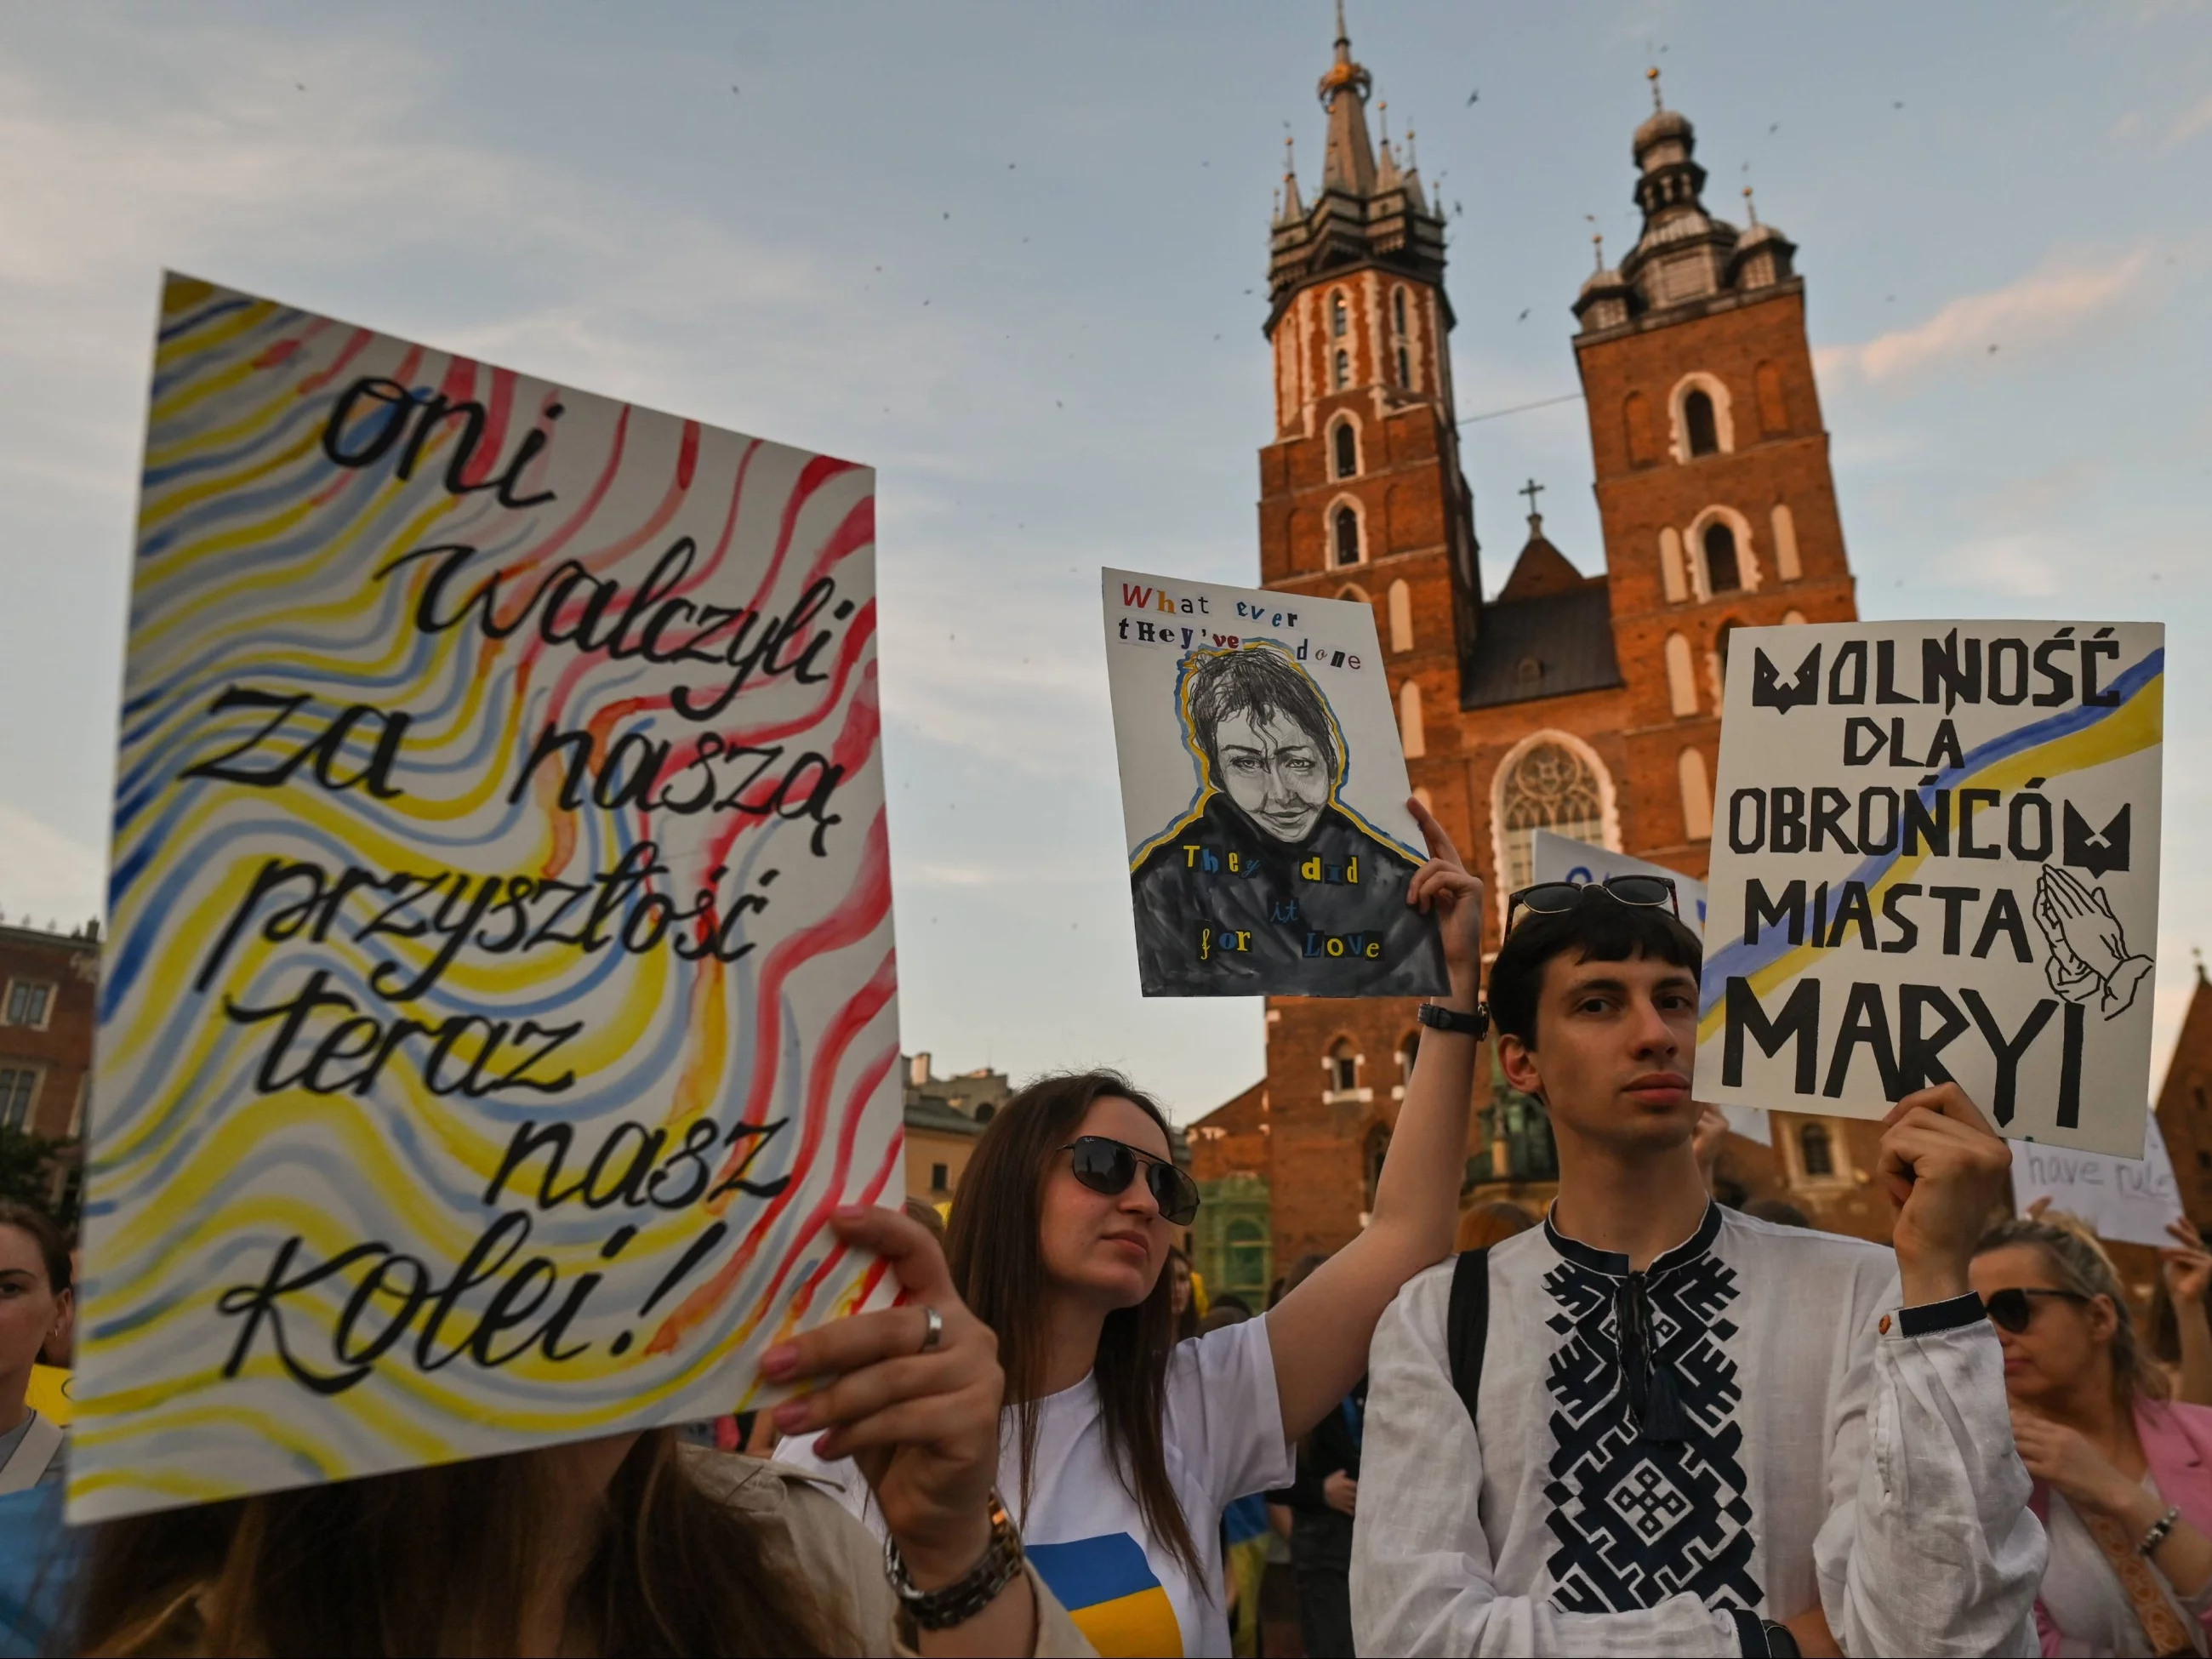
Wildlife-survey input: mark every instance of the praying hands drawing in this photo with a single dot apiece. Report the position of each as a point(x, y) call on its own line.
point(2089, 959)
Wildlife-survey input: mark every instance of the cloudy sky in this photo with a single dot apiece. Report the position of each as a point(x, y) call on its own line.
point(1014, 256)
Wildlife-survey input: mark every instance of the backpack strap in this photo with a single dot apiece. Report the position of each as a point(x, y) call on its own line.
point(1467, 1327)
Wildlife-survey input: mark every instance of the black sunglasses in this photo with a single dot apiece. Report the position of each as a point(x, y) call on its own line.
point(1108, 1166)
point(2010, 1309)
point(1551, 898)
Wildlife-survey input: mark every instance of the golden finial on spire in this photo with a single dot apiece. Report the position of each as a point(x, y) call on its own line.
point(1412, 162)
point(1652, 75)
point(1597, 243)
point(1747, 207)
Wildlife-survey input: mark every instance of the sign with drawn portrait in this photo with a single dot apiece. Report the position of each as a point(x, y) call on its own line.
point(500, 994)
point(1936, 857)
point(1263, 796)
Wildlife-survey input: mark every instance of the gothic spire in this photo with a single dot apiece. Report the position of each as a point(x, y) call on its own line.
point(1349, 162)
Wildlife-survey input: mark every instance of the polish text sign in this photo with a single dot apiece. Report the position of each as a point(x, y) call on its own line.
point(2128, 1199)
point(500, 990)
point(1263, 793)
point(1936, 854)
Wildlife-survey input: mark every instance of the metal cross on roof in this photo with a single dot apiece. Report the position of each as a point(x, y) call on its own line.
point(1531, 489)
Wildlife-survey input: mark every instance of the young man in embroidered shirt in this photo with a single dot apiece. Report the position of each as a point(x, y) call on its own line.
point(1693, 1432)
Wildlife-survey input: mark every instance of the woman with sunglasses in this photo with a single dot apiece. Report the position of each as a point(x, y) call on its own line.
point(2123, 1475)
point(1120, 1447)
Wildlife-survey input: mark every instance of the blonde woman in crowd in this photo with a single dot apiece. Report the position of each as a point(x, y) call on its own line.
point(2123, 1475)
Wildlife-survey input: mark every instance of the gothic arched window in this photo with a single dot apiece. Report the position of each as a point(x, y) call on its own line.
point(1347, 536)
point(1681, 677)
point(1339, 319)
point(1696, 795)
point(1550, 788)
point(1697, 418)
point(1343, 1068)
point(1814, 1150)
point(1405, 369)
point(1398, 304)
point(1723, 575)
point(1342, 370)
point(1347, 450)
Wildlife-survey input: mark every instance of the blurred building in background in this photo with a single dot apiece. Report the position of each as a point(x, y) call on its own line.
point(49, 982)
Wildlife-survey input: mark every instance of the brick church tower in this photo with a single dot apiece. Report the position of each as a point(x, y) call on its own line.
point(1586, 704)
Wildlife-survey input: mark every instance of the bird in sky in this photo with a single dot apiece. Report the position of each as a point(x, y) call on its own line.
point(1474, 96)
point(1523, 317)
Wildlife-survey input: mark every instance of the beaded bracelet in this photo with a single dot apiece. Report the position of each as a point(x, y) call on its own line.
point(2159, 1529)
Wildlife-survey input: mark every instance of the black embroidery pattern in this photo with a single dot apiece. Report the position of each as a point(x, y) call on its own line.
point(1639, 1519)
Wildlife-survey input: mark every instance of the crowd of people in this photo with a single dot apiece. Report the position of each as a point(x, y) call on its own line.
point(1644, 1423)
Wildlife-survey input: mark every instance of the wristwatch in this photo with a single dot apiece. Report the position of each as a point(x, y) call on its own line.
point(1440, 1018)
point(962, 1599)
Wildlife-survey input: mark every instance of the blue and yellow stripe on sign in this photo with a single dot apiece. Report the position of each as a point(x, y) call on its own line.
point(1112, 1593)
point(2073, 740)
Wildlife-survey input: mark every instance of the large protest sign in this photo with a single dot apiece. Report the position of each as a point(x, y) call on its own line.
point(1935, 855)
point(1263, 793)
point(501, 989)
point(2129, 1198)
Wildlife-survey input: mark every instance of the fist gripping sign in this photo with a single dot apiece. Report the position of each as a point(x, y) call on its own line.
point(1934, 861)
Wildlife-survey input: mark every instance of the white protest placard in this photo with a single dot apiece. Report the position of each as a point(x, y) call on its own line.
point(1556, 857)
point(2128, 1199)
point(1263, 794)
point(500, 994)
point(1935, 855)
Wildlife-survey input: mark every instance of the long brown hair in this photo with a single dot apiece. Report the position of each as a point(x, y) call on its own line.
point(440, 1560)
point(993, 1245)
point(2078, 1263)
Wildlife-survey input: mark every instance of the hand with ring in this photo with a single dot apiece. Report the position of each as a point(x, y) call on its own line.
point(911, 1393)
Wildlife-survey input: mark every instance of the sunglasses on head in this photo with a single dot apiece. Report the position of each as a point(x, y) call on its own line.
point(1108, 1166)
point(1551, 898)
point(2011, 1309)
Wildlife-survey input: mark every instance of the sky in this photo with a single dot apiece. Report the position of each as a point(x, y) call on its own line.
point(1014, 257)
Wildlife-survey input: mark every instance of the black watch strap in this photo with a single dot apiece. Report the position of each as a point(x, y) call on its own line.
point(1438, 1018)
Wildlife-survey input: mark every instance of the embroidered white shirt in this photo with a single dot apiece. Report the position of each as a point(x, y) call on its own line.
point(1804, 1456)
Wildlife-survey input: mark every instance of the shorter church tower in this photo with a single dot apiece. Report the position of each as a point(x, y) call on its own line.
point(1713, 485)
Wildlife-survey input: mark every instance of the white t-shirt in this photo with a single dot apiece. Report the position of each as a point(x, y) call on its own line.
point(1127, 1592)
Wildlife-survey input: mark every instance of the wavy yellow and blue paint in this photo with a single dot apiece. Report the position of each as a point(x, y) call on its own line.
point(501, 990)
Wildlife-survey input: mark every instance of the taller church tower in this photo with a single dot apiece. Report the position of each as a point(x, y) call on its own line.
point(1361, 497)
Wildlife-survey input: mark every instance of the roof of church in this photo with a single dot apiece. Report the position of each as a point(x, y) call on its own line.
point(1550, 646)
point(1541, 569)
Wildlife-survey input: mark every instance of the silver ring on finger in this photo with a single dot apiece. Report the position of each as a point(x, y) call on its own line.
point(933, 1334)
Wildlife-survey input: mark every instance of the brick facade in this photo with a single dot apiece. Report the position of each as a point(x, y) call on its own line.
point(48, 1009)
point(1614, 678)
